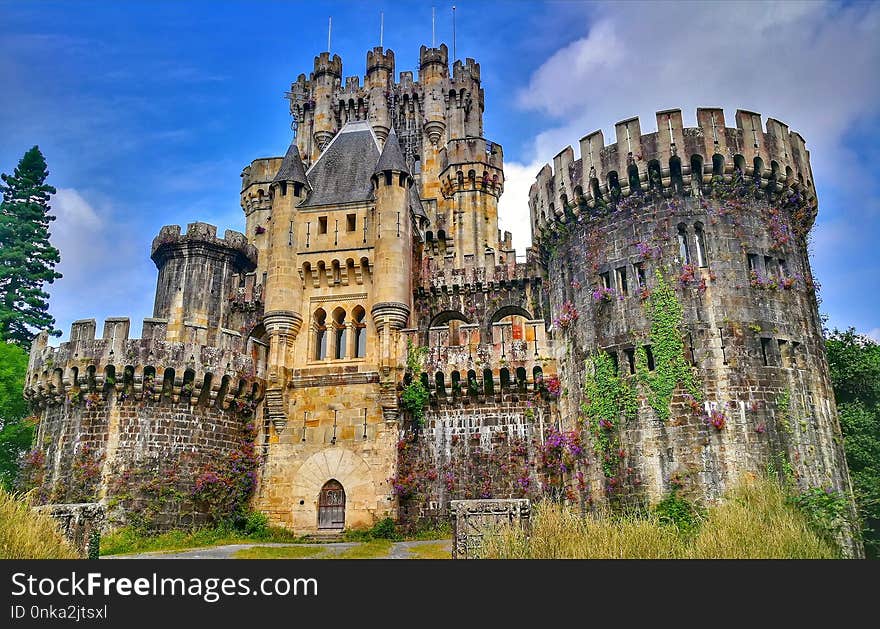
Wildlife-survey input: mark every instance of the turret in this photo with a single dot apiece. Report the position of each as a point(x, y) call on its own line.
point(472, 179)
point(283, 317)
point(196, 270)
point(465, 101)
point(433, 73)
point(380, 70)
point(325, 81)
point(391, 276)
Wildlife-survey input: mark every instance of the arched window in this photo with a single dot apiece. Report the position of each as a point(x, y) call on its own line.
point(739, 165)
point(339, 333)
point(700, 239)
point(521, 378)
point(697, 169)
point(488, 382)
point(758, 169)
point(655, 180)
point(440, 383)
point(632, 173)
point(717, 165)
point(504, 377)
point(360, 332)
point(613, 185)
point(320, 323)
point(683, 253)
point(675, 177)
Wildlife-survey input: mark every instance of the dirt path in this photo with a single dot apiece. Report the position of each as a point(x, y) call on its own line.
point(399, 550)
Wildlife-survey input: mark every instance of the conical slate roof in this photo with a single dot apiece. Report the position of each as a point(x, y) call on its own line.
point(392, 156)
point(292, 168)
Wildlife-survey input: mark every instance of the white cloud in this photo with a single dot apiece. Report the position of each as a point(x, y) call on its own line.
point(513, 208)
point(104, 264)
point(811, 65)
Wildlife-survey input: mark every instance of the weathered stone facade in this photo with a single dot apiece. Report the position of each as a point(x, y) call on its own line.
point(376, 234)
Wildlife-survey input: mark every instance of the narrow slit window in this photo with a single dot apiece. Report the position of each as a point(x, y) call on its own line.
point(683, 253)
point(783, 353)
point(700, 240)
point(649, 355)
point(620, 276)
point(630, 354)
point(641, 279)
point(753, 262)
point(765, 351)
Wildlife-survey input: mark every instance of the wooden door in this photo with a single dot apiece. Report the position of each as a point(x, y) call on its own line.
point(331, 507)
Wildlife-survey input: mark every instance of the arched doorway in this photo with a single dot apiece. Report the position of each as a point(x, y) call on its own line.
point(331, 507)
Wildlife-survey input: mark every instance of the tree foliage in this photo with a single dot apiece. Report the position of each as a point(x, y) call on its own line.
point(27, 259)
point(16, 432)
point(855, 374)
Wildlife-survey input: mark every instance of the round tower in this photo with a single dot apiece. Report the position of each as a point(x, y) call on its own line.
point(433, 75)
point(679, 258)
point(325, 80)
point(393, 253)
point(283, 317)
point(472, 180)
point(380, 73)
point(196, 270)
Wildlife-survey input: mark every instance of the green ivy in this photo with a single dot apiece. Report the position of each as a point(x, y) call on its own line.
point(415, 396)
point(670, 367)
point(608, 398)
point(783, 406)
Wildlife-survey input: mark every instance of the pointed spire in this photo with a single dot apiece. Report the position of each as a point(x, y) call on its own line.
point(391, 157)
point(292, 168)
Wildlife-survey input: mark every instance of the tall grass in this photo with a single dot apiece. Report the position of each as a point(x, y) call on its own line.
point(26, 534)
point(754, 522)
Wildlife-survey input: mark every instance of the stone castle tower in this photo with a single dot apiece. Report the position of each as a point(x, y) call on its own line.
point(375, 240)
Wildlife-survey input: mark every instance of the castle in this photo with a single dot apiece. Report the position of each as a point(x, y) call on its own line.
point(662, 334)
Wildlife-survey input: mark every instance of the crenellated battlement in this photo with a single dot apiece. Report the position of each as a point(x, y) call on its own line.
point(471, 164)
point(324, 64)
point(380, 59)
point(147, 368)
point(673, 158)
point(430, 56)
point(467, 71)
point(204, 234)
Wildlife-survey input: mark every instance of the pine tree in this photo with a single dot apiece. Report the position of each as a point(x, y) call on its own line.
point(27, 259)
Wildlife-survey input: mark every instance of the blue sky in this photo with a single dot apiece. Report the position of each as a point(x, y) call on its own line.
point(147, 112)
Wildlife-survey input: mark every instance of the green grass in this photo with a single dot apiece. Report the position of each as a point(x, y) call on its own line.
point(374, 549)
point(278, 552)
point(128, 540)
point(26, 534)
point(430, 551)
point(756, 521)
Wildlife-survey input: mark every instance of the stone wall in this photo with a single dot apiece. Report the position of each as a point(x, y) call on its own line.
point(488, 450)
point(142, 459)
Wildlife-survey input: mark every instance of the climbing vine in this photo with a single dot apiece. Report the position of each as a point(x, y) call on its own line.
point(415, 395)
point(670, 367)
point(608, 398)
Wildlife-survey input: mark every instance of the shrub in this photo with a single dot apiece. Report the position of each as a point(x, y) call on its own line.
point(756, 521)
point(26, 534)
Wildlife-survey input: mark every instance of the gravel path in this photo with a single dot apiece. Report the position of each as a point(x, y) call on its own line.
point(399, 550)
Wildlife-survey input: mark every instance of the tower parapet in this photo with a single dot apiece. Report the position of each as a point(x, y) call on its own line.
point(150, 368)
point(674, 158)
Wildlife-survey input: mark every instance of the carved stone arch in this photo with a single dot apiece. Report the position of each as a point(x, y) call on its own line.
point(445, 316)
point(361, 485)
point(505, 311)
